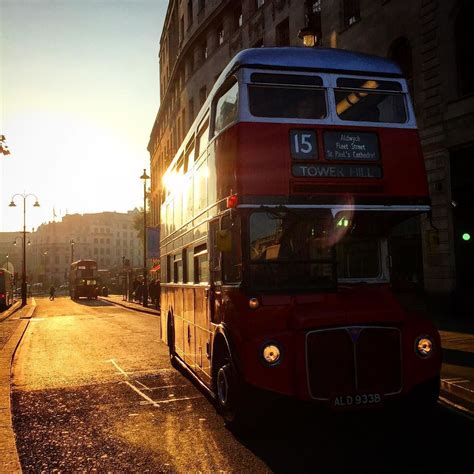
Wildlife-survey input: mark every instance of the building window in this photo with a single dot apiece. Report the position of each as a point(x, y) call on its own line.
point(191, 111)
point(190, 13)
point(464, 39)
point(190, 64)
point(400, 52)
point(220, 35)
point(350, 12)
point(283, 33)
point(313, 12)
point(204, 51)
point(202, 95)
point(237, 18)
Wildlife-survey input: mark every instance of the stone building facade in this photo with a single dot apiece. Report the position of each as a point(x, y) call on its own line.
point(430, 39)
point(106, 237)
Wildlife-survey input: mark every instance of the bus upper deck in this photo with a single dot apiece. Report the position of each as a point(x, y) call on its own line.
point(315, 123)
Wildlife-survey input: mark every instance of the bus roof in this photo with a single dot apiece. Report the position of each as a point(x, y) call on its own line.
point(314, 59)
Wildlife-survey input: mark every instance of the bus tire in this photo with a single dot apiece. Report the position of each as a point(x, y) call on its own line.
point(171, 342)
point(230, 394)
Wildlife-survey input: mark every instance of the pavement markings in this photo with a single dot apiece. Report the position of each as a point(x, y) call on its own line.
point(456, 408)
point(143, 395)
point(142, 384)
point(118, 367)
point(148, 400)
point(456, 382)
point(173, 400)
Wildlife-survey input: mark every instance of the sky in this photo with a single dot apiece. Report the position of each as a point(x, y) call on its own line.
point(79, 92)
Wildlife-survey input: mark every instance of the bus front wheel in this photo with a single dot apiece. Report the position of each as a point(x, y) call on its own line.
point(230, 394)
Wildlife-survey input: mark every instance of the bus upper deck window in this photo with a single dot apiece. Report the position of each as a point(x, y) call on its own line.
point(202, 138)
point(287, 96)
point(226, 108)
point(369, 100)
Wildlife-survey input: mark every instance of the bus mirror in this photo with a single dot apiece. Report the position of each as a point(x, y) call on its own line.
point(224, 241)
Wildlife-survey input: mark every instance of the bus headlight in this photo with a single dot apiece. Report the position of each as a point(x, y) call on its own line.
point(271, 354)
point(424, 346)
point(254, 303)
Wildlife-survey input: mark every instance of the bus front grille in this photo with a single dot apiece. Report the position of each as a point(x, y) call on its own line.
point(352, 360)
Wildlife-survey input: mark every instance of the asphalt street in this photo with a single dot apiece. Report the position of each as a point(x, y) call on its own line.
point(93, 390)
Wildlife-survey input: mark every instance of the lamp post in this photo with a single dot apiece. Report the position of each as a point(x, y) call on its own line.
point(43, 263)
point(72, 249)
point(23, 269)
point(309, 37)
point(144, 176)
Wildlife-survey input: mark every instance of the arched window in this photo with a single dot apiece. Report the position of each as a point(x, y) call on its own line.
point(400, 52)
point(464, 40)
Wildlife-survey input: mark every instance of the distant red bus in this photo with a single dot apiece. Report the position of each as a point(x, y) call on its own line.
point(83, 281)
point(276, 212)
point(6, 289)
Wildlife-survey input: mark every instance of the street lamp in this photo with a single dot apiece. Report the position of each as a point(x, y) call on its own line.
point(144, 176)
point(23, 269)
point(309, 36)
point(72, 249)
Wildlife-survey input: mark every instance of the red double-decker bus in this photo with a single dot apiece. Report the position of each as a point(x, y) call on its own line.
point(275, 221)
point(83, 282)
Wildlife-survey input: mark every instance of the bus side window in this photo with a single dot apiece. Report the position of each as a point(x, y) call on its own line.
point(190, 265)
point(232, 259)
point(226, 108)
point(201, 264)
point(185, 265)
point(189, 155)
point(214, 252)
point(177, 268)
point(202, 137)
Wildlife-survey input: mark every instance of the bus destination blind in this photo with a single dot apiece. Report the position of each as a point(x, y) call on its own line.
point(351, 146)
point(337, 171)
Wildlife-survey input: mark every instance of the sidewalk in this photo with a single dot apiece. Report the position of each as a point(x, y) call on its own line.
point(118, 300)
point(457, 372)
point(13, 324)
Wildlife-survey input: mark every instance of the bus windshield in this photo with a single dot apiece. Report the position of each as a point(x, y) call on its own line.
point(363, 100)
point(287, 102)
point(292, 250)
point(311, 249)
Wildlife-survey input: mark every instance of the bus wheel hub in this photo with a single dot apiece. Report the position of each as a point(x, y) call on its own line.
point(223, 385)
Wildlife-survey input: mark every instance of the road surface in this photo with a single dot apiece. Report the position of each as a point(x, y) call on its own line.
point(93, 390)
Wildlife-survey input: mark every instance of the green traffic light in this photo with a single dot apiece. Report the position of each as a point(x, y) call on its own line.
point(466, 236)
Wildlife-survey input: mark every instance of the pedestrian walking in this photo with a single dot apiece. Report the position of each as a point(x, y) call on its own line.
point(52, 292)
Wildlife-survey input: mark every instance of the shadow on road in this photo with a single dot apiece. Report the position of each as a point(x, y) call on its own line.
point(303, 441)
point(86, 302)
